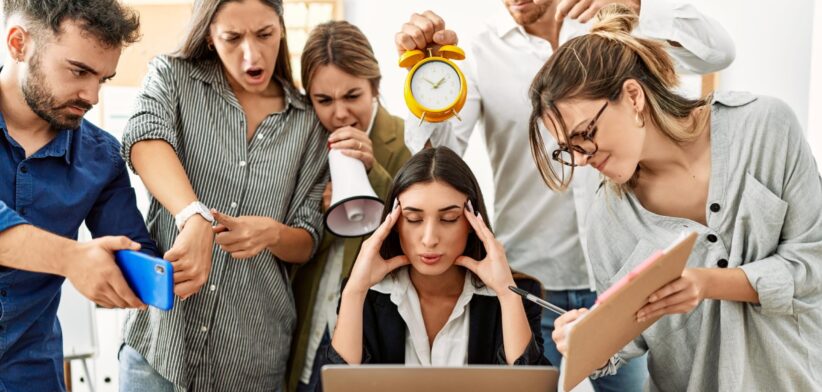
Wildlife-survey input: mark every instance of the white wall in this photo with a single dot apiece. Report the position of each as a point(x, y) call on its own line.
point(773, 41)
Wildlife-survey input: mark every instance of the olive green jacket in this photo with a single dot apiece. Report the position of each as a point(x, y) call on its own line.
point(390, 154)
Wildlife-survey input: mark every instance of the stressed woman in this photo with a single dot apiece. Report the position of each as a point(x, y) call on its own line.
point(221, 134)
point(734, 168)
point(430, 286)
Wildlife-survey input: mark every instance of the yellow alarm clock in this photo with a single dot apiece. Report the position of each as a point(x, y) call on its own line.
point(435, 88)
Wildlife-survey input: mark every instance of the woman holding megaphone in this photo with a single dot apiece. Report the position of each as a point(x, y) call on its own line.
point(341, 77)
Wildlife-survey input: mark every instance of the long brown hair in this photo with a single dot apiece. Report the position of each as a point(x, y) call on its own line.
point(595, 66)
point(343, 45)
point(195, 44)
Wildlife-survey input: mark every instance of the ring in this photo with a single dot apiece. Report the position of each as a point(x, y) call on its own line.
point(359, 147)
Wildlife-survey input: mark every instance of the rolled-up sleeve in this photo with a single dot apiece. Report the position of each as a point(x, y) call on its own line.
point(9, 218)
point(310, 187)
point(790, 281)
point(706, 46)
point(155, 113)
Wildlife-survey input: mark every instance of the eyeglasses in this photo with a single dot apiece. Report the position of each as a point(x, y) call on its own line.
point(581, 142)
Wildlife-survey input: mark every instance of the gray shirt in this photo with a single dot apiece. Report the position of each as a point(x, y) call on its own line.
point(764, 216)
point(235, 334)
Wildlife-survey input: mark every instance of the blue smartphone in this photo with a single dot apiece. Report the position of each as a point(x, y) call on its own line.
point(151, 278)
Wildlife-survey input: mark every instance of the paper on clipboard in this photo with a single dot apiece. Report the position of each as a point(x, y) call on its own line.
point(590, 345)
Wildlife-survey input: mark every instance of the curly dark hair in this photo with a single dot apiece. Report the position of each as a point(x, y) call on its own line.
point(109, 21)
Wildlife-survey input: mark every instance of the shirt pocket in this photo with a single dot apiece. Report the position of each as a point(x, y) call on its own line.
point(758, 223)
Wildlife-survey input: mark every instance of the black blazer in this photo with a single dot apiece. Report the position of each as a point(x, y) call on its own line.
point(384, 331)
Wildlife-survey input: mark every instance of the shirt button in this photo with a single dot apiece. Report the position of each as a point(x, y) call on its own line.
point(722, 263)
point(711, 238)
point(22, 210)
point(3, 293)
point(204, 329)
point(715, 207)
point(242, 163)
point(213, 287)
point(233, 204)
point(261, 136)
point(24, 169)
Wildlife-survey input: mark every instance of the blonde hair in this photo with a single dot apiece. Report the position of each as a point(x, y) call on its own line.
point(595, 66)
point(343, 45)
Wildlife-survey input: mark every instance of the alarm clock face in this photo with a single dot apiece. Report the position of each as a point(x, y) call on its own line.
point(435, 85)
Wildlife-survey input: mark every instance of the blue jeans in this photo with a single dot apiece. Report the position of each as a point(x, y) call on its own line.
point(316, 368)
point(136, 375)
point(630, 377)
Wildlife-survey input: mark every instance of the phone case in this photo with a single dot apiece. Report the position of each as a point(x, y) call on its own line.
point(151, 278)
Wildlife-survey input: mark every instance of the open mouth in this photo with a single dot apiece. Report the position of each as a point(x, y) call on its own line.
point(254, 73)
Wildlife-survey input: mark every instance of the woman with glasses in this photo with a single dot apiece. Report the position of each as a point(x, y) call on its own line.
point(735, 168)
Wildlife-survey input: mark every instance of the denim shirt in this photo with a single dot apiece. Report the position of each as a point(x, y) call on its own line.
point(78, 176)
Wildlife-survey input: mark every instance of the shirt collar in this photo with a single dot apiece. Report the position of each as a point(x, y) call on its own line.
point(210, 71)
point(375, 108)
point(58, 147)
point(398, 283)
point(504, 24)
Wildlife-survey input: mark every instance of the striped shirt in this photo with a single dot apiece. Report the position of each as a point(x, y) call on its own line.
point(235, 334)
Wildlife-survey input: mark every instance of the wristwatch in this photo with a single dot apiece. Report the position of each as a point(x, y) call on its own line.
point(194, 208)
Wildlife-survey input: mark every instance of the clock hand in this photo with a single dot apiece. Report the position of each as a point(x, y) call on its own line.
point(429, 82)
point(439, 82)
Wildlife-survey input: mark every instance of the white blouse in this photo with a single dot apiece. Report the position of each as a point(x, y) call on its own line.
point(450, 346)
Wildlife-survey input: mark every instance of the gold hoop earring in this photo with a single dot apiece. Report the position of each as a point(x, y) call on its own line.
point(210, 46)
point(640, 120)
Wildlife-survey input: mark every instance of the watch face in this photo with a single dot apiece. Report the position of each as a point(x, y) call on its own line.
point(436, 85)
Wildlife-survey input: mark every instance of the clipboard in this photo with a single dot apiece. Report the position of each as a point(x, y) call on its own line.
point(589, 344)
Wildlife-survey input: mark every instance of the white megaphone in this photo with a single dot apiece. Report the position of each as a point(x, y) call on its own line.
point(355, 208)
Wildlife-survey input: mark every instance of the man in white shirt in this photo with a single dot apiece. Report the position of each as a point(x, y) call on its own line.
point(500, 65)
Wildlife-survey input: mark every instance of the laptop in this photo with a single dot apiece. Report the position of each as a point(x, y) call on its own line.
point(475, 378)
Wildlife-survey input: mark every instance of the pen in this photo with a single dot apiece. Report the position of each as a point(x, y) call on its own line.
point(537, 300)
